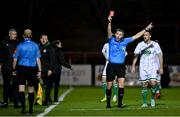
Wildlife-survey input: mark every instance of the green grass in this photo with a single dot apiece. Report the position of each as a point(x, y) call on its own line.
point(84, 101)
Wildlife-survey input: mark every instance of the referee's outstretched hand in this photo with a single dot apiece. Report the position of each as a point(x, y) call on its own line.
point(109, 19)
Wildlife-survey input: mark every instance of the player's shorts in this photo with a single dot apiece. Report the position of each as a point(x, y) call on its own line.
point(158, 78)
point(114, 70)
point(27, 74)
point(147, 75)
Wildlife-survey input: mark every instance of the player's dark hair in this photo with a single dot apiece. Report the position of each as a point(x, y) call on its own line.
point(149, 31)
point(12, 30)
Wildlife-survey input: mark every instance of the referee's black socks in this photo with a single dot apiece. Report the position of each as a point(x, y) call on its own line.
point(120, 96)
point(22, 99)
point(31, 101)
point(108, 96)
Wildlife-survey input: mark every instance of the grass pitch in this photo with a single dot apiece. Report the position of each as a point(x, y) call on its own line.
point(85, 101)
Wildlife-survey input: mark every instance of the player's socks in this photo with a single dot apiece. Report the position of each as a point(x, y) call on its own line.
point(144, 95)
point(158, 87)
point(120, 96)
point(115, 92)
point(115, 89)
point(152, 102)
point(108, 95)
point(153, 91)
point(104, 86)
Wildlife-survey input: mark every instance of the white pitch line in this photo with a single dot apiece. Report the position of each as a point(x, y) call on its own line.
point(126, 108)
point(60, 99)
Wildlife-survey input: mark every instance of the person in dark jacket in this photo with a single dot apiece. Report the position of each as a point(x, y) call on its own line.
point(10, 85)
point(48, 65)
point(60, 61)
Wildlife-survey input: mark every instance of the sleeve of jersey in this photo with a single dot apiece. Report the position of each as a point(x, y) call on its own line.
point(128, 40)
point(104, 50)
point(38, 54)
point(137, 49)
point(158, 49)
point(17, 52)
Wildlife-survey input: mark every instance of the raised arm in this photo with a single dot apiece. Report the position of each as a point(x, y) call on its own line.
point(109, 30)
point(139, 34)
point(63, 61)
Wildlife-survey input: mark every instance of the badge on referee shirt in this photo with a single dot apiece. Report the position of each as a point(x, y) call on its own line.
point(44, 50)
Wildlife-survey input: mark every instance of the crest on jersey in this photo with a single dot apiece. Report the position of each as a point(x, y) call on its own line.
point(147, 52)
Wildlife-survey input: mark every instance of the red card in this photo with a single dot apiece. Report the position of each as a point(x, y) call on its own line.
point(111, 13)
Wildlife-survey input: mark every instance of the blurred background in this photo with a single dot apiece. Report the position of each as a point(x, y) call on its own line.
point(81, 24)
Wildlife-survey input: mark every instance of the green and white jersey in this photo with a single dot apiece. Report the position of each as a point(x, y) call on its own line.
point(149, 61)
point(148, 55)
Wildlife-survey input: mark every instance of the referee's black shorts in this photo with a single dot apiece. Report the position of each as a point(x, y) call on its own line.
point(27, 75)
point(114, 70)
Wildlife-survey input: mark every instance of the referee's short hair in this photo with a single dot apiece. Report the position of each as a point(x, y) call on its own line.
point(120, 30)
point(27, 33)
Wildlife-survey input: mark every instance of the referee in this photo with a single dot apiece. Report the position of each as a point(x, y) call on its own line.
point(117, 53)
point(27, 58)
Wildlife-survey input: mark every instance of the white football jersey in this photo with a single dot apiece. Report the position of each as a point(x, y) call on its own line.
point(148, 55)
point(105, 50)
